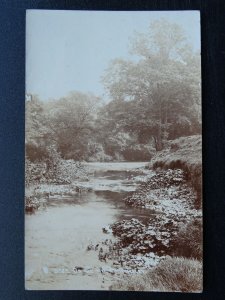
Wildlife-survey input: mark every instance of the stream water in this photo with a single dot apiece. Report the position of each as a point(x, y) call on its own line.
point(56, 238)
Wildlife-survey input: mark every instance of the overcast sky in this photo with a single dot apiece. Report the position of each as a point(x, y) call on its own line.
point(69, 50)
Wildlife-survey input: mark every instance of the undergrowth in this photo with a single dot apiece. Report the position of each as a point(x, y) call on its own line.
point(186, 154)
point(174, 274)
point(188, 242)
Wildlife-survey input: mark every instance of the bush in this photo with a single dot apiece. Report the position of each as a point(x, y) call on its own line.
point(34, 172)
point(188, 242)
point(193, 175)
point(137, 153)
point(53, 169)
point(33, 199)
point(36, 153)
point(184, 153)
point(96, 152)
point(175, 274)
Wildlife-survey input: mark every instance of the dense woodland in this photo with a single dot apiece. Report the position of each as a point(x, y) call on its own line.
point(151, 99)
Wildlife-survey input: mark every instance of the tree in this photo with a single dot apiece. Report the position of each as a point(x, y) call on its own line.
point(164, 39)
point(37, 130)
point(161, 91)
point(72, 119)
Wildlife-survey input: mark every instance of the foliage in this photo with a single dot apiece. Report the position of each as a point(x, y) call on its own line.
point(174, 274)
point(153, 99)
point(66, 123)
point(36, 153)
point(53, 169)
point(184, 153)
point(188, 242)
point(72, 121)
point(157, 97)
point(96, 152)
point(138, 152)
point(33, 199)
point(34, 172)
point(36, 129)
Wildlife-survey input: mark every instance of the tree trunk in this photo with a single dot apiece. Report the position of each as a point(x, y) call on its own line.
point(158, 143)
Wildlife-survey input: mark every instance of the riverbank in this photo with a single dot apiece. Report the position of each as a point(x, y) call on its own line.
point(169, 196)
point(85, 178)
point(184, 153)
point(71, 245)
point(61, 234)
point(172, 198)
point(62, 180)
point(175, 228)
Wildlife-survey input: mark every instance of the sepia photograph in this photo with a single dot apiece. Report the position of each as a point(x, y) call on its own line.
point(113, 151)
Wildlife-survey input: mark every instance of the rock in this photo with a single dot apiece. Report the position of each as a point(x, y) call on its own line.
point(107, 269)
point(107, 229)
point(140, 246)
point(78, 268)
point(90, 247)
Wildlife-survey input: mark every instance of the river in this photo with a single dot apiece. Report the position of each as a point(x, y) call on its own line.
point(56, 237)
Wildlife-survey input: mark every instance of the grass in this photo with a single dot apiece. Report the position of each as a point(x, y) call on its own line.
point(174, 274)
point(188, 242)
point(184, 153)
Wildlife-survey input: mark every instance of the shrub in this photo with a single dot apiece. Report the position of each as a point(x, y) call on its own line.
point(34, 172)
point(137, 153)
point(188, 242)
point(53, 169)
point(184, 153)
point(193, 175)
point(175, 274)
point(41, 166)
point(134, 283)
point(33, 198)
point(36, 153)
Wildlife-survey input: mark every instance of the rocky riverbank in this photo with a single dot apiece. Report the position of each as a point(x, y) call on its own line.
point(75, 178)
point(37, 196)
point(140, 246)
point(64, 181)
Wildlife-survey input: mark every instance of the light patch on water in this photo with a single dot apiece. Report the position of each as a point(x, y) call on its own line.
point(57, 237)
point(115, 166)
point(104, 184)
point(116, 177)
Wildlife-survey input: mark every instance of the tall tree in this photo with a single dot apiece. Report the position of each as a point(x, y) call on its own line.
point(163, 85)
point(72, 120)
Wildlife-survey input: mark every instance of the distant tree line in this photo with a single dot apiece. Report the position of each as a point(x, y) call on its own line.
point(153, 98)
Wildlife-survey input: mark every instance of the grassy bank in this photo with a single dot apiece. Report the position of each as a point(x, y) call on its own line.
point(174, 274)
point(167, 250)
point(184, 153)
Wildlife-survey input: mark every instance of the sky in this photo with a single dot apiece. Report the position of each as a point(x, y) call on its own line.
point(69, 50)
